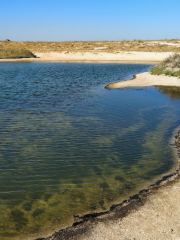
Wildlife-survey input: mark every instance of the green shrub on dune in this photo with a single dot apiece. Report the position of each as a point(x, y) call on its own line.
point(15, 53)
point(170, 66)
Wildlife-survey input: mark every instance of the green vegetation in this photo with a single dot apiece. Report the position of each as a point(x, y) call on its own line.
point(170, 66)
point(15, 53)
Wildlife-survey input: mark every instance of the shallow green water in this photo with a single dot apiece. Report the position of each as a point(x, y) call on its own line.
point(68, 146)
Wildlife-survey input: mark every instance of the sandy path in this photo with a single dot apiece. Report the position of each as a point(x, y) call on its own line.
point(146, 80)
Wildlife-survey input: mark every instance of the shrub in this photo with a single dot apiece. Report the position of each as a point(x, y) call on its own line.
point(170, 66)
point(15, 53)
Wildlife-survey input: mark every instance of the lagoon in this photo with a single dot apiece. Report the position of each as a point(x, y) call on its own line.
point(68, 146)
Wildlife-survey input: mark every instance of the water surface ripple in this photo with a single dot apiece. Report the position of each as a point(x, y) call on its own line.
point(68, 146)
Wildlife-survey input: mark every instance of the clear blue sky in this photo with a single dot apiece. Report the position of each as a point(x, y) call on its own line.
point(68, 20)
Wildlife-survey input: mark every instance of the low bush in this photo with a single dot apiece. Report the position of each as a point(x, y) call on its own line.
point(170, 66)
point(15, 53)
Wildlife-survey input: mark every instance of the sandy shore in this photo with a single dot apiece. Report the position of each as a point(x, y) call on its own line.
point(158, 218)
point(107, 57)
point(95, 56)
point(152, 214)
point(146, 80)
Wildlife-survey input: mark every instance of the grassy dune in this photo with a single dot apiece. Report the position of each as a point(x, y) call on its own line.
point(94, 46)
point(15, 53)
point(170, 66)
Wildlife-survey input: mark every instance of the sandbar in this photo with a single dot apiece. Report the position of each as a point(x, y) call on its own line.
point(146, 80)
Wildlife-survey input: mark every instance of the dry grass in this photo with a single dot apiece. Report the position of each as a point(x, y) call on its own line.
point(97, 46)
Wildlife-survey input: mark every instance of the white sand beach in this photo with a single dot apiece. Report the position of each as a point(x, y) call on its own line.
point(131, 57)
point(96, 56)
